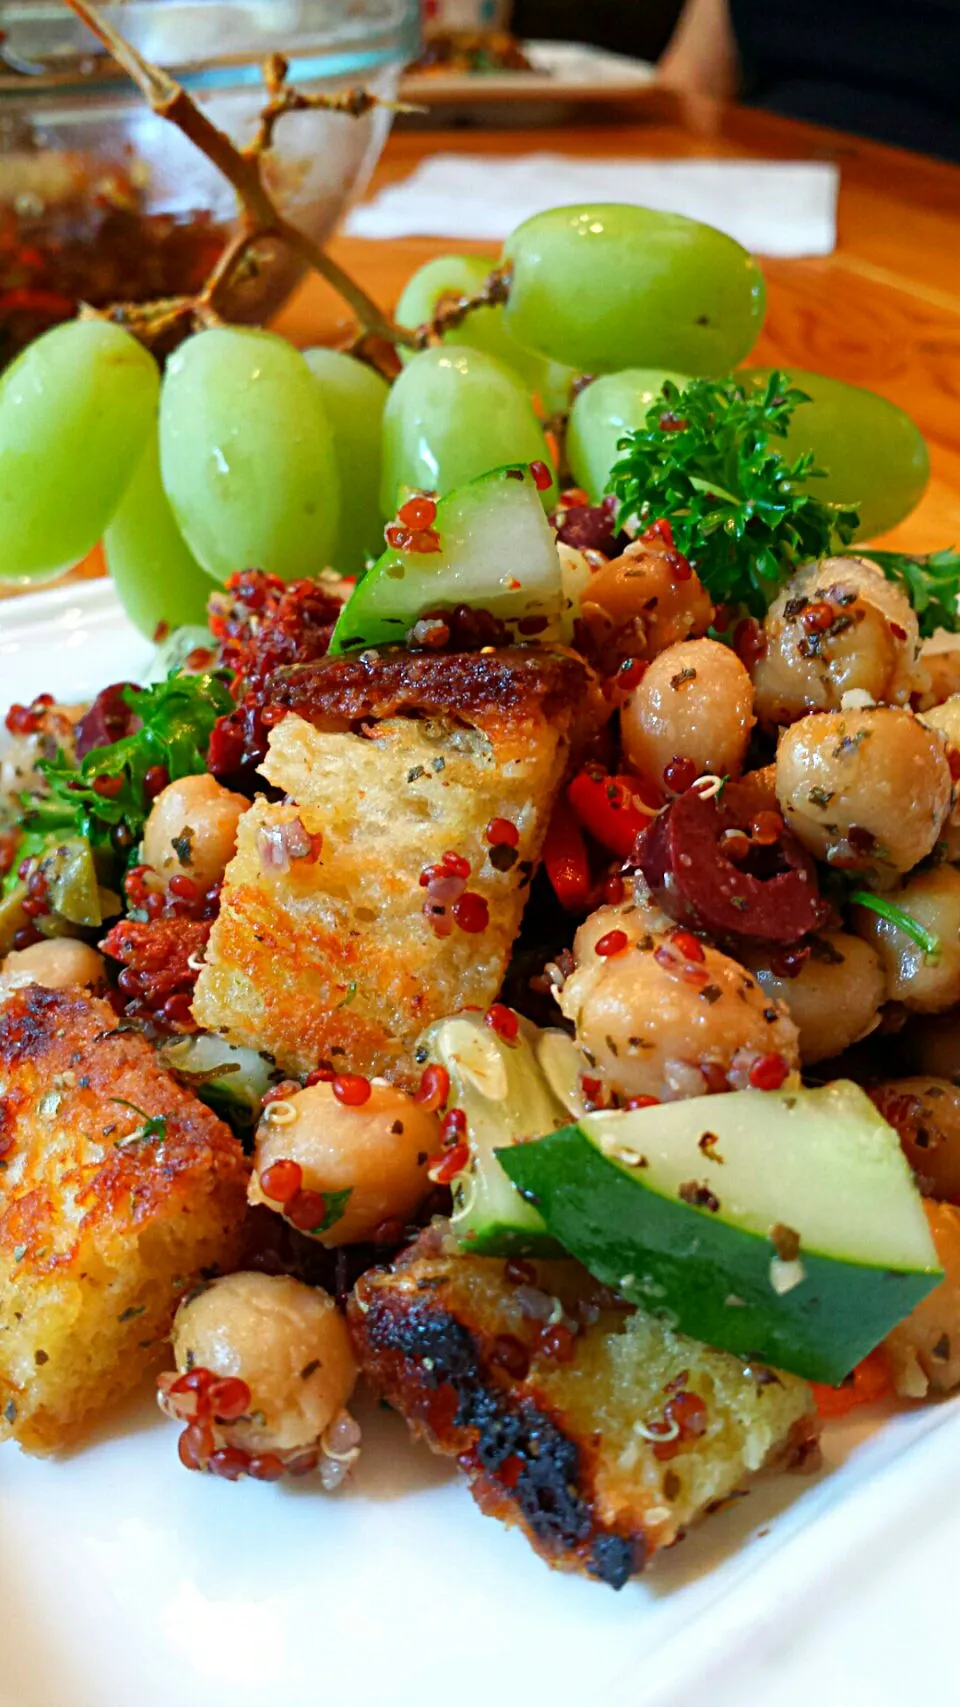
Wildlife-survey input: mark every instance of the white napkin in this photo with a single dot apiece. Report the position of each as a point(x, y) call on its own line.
point(770, 206)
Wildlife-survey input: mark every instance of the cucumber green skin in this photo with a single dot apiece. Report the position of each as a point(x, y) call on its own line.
point(374, 615)
point(361, 621)
point(494, 1238)
point(687, 1262)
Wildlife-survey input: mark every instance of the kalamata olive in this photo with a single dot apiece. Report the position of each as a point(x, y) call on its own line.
point(109, 719)
point(589, 527)
point(771, 893)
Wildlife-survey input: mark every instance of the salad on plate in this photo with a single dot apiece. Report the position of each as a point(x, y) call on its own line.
point(507, 953)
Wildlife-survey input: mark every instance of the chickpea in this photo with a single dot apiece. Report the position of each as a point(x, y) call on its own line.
point(946, 719)
point(834, 999)
point(870, 643)
point(694, 702)
point(642, 587)
point(945, 716)
point(928, 983)
point(286, 1341)
point(925, 1113)
point(924, 1350)
point(864, 790)
point(57, 964)
point(192, 829)
point(942, 670)
point(378, 1151)
point(667, 1015)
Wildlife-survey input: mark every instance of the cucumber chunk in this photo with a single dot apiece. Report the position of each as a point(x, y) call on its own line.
point(177, 647)
point(506, 1098)
point(497, 553)
point(780, 1226)
point(229, 1078)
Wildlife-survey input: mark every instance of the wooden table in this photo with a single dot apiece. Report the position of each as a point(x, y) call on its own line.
point(882, 311)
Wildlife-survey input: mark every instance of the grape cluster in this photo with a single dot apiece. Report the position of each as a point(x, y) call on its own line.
point(247, 453)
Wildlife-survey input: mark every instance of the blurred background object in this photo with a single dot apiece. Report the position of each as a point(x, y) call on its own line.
point(102, 201)
point(886, 69)
point(641, 28)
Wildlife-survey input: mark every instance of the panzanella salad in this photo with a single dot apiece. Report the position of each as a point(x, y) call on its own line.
point(509, 956)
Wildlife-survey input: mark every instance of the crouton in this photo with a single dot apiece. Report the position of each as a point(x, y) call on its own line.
point(603, 1447)
point(388, 762)
point(118, 1190)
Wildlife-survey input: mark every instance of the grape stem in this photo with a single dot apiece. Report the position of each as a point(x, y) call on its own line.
point(452, 310)
point(242, 167)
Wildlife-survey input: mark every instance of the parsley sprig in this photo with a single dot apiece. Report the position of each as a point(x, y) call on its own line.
point(931, 583)
point(176, 721)
point(703, 461)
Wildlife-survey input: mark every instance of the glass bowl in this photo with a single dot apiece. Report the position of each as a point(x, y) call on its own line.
point(102, 201)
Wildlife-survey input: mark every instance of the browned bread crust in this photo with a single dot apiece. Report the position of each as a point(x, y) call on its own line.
point(393, 761)
point(568, 1449)
point(108, 1212)
point(482, 688)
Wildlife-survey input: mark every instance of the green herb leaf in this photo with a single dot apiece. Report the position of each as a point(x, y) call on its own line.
point(931, 583)
point(176, 721)
point(154, 1128)
point(895, 915)
point(335, 1202)
point(703, 462)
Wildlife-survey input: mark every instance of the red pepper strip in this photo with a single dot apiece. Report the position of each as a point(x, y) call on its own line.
point(605, 806)
point(870, 1381)
point(565, 857)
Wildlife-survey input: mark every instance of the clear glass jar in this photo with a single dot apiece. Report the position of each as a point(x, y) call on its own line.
point(103, 201)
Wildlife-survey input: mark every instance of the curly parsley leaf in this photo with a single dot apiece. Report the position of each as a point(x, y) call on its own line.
point(703, 462)
point(107, 787)
point(931, 583)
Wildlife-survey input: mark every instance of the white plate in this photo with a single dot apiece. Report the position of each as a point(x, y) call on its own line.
point(125, 1582)
point(563, 70)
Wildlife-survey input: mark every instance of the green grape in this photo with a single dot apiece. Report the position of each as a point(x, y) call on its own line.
point(611, 286)
point(601, 414)
point(160, 585)
point(75, 411)
point(452, 415)
point(354, 398)
point(483, 329)
point(555, 392)
point(246, 454)
point(876, 457)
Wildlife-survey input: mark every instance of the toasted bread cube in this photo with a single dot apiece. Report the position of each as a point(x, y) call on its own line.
point(332, 958)
point(584, 1453)
point(118, 1191)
